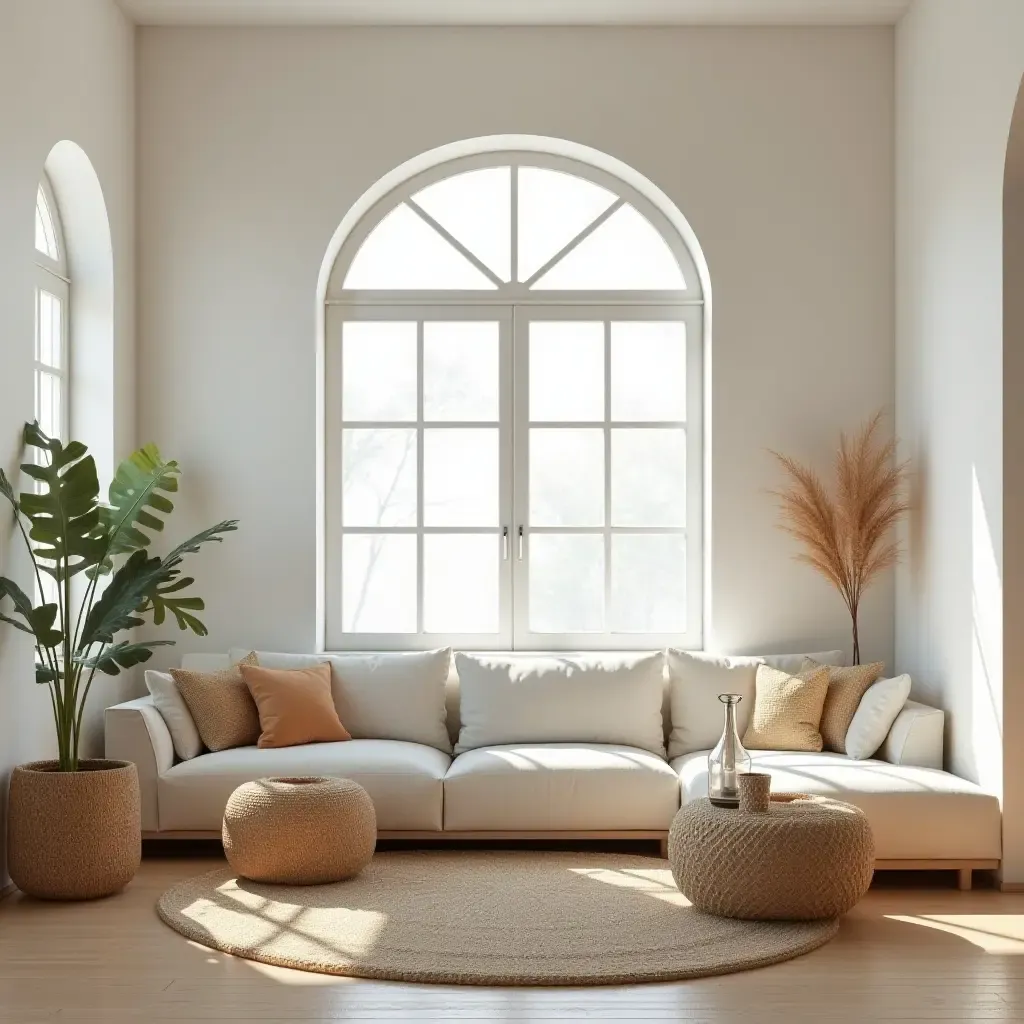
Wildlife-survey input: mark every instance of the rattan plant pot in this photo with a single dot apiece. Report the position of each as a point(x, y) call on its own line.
point(74, 835)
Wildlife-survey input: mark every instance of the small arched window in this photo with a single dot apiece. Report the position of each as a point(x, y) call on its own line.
point(52, 293)
point(513, 402)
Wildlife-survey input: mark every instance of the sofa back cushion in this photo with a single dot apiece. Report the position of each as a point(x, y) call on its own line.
point(599, 698)
point(399, 696)
point(695, 681)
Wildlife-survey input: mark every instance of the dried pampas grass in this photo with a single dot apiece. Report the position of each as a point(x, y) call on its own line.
point(847, 536)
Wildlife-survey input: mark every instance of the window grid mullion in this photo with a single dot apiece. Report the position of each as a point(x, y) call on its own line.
point(607, 473)
point(420, 459)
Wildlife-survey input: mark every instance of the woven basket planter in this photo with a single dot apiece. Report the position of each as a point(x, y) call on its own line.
point(74, 835)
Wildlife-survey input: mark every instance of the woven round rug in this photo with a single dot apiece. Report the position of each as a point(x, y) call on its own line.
point(484, 918)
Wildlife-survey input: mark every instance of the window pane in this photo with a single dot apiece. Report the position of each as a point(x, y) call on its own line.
point(649, 477)
point(460, 477)
point(476, 208)
point(460, 371)
point(648, 583)
point(648, 371)
point(48, 403)
point(378, 371)
point(625, 252)
point(566, 371)
point(48, 329)
point(566, 477)
point(404, 251)
point(460, 583)
point(378, 472)
point(554, 208)
point(378, 583)
point(566, 583)
point(46, 234)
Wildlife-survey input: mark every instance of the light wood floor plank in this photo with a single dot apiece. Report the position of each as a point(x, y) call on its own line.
point(905, 954)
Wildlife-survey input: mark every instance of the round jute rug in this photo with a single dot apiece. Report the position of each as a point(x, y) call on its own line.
point(484, 918)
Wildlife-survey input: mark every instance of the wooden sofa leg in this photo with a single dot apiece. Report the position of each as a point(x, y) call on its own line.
point(965, 879)
point(664, 847)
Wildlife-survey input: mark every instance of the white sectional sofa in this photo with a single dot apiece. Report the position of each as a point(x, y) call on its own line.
point(534, 786)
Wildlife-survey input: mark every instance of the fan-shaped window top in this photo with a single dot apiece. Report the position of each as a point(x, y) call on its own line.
point(515, 227)
point(46, 232)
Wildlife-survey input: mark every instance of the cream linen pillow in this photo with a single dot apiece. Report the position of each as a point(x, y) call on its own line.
point(695, 681)
point(524, 698)
point(221, 706)
point(846, 686)
point(394, 696)
point(294, 705)
point(787, 710)
point(175, 713)
point(878, 709)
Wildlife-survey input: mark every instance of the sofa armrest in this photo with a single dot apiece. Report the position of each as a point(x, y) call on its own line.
point(136, 731)
point(915, 737)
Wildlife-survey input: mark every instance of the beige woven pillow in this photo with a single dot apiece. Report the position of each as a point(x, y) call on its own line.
point(846, 687)
point(221, 705)
point(787, 710)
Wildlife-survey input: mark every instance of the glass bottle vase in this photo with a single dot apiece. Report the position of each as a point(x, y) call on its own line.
point(728, 760)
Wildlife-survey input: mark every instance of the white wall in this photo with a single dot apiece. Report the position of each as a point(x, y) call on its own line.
point(958, 69)
point(66, 72)
point(776, 144)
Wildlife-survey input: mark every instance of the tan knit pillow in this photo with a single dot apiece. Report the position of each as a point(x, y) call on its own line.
point(295, 705)
point(846, 686)
point(221, 705)
point(787, 710)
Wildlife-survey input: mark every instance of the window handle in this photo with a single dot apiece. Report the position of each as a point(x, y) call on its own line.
point(520, 543)
point(504, 543)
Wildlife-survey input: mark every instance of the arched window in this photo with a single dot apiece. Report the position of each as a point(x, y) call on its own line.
point(513, 410)
point(52, 289)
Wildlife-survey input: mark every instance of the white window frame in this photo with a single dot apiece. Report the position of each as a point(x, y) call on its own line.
point(515, 302)
point(51, 276)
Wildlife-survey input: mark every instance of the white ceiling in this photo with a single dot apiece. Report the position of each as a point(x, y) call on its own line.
point(515, 12)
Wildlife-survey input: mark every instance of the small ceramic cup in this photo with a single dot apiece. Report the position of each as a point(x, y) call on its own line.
point(755, 791)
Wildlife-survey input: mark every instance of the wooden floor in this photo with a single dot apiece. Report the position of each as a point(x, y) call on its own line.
point(914, 950)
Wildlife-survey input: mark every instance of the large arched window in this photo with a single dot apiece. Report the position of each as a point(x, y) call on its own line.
point(52, 289)
point(513, 391)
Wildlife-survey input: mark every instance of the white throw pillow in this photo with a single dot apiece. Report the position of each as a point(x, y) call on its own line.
point(794, 663)
point(397, 696)
point(878, 709)
point(175, 713)
point(696, 679)
point(600, 698)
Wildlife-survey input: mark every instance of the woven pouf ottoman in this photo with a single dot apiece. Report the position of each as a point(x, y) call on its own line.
point(804, 858)
point(299, 831)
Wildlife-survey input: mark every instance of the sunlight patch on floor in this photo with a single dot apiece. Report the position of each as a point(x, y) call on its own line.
point(994, 933)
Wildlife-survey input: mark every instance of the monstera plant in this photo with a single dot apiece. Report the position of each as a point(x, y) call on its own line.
point(95, 580)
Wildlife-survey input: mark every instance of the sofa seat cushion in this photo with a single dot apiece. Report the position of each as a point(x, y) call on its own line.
point(560, 787)
point(915, 813)
point(404, 780)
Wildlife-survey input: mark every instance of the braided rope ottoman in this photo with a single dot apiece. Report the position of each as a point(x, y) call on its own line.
point(304, 831)
point(804, 858)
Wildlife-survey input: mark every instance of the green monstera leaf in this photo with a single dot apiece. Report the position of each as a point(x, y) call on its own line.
point(137, 493)
point(126, 654)
point(64, 514)
point(37, 620)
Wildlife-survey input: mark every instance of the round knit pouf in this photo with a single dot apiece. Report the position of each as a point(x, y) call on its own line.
point(804, 858)
point(299, 831)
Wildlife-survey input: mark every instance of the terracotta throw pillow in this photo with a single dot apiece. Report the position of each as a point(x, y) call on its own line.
point(846, 687)
point(220, 705)
point(787, 710)
point(295, 705)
